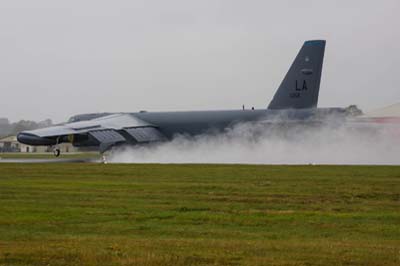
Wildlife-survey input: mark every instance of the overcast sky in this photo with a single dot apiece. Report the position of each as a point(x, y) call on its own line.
point(60, 58)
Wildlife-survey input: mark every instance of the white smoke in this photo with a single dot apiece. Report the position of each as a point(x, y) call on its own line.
point(251, 143)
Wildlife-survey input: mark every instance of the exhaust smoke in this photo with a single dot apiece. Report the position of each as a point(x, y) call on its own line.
point(251, 143)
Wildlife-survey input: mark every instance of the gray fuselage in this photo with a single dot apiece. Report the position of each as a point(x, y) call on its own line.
point(199, 122)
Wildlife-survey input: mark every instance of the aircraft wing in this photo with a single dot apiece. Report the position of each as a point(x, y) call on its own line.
point(104, 131)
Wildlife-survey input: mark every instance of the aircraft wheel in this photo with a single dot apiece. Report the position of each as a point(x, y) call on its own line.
point(104, 159)
point(56, 152)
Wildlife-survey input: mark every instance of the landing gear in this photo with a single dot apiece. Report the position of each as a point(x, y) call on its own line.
point(56, 152)
point(104, 158)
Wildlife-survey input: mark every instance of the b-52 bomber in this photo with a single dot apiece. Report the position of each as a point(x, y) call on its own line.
point(295, 101)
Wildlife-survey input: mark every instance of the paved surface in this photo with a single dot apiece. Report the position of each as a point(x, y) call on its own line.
point(55, 160)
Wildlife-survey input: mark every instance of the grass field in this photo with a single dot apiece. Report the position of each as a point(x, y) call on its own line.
point(93, 214)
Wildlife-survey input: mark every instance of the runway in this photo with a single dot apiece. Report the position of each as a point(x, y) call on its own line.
point(55, 160)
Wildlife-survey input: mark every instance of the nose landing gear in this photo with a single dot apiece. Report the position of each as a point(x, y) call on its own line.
point(56, 152)
point(56, 149)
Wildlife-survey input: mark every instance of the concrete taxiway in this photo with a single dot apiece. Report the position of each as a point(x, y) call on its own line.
point(55, 160)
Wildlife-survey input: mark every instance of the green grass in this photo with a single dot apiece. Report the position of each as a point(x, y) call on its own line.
point(93, 214)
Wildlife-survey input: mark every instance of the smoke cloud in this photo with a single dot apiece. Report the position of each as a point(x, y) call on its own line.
point(251, 143)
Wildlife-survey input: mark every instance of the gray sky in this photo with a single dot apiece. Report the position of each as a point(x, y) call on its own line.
point(60, 58)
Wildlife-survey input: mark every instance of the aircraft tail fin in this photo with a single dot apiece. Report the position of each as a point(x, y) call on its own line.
point(300, 87)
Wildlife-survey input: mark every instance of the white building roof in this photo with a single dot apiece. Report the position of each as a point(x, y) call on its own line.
point(9, 139)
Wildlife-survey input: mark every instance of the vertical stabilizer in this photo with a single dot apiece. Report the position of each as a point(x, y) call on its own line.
point(300, 87)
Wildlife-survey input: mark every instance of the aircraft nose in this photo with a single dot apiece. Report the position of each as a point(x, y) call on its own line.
point(32, 139)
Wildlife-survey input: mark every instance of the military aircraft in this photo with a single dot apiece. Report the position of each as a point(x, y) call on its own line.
point(295, 101)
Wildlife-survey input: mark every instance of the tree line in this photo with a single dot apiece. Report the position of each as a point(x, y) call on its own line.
point(9, 129)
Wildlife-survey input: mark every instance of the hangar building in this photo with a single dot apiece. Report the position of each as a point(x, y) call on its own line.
point(11, 144)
